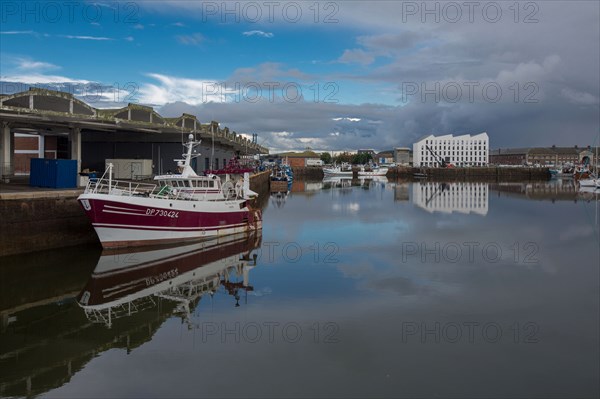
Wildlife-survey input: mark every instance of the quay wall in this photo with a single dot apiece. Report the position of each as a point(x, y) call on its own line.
point(38, 221)
point(481, 174)
point(259, 183)
point(34, 224)
point(311, 172)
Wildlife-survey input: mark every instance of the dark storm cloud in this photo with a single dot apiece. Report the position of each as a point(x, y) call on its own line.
point(546, 71)
point(529, 78)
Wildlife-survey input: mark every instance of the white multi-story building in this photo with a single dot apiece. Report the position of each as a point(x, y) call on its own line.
point(465, 150)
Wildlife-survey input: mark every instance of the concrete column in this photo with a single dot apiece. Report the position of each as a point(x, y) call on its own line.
point(41, 146)
point(6, 151)
point(75, 137)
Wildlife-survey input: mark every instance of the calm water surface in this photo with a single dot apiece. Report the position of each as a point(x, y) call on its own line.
point(354, 289)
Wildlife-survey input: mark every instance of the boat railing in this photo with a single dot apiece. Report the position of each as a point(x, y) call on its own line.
point(107, 185)
point(108, 314)
point(119, 187)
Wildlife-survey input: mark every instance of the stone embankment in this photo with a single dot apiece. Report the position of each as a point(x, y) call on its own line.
point(495, 174)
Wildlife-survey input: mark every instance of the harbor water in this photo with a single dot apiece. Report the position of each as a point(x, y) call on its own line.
point(354, 288)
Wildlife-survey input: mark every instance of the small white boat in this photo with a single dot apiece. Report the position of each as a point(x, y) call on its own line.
point(373, 172)
point(591, 181)
point(344, 170)
point(588, 182)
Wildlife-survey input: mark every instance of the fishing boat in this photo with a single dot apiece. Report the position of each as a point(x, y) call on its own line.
point(590, 179)
point(280, 181)
point(344, 170)
point(287, 169)
point(178, 208)
point(377, 171)
point(582, 172)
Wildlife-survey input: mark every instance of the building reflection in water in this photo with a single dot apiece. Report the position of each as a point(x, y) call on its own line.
point(461, 197)
point(129, 295)
point(554, 190)
point(401, 191)
point(565, 189)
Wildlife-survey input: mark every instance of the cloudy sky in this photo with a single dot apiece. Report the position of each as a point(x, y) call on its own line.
point(326, 75)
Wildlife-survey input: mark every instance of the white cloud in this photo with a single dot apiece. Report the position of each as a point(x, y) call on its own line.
point(192, 91)
point(191, 40)
point(576, 232)
point(27, 64)
point(38, 78)
point(352, 207)
point(529, 71)
point(346, 119)
point(579, 97)
point(29, 71)
point(356, 56)
point(100, 96)
point(18, 32)
point(95, 38)
point(258, 33)
point(282, 134)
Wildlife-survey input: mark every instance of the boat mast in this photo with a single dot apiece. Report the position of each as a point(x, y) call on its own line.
point(212, 153)
point(596, 160)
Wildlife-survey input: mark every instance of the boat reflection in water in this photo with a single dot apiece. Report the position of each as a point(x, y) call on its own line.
point(375, 182)
point(44, 343)
point(337, 182)
point(125, 281)
point(278, 199)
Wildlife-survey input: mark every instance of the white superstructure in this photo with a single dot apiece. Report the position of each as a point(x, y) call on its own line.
point(464, 150)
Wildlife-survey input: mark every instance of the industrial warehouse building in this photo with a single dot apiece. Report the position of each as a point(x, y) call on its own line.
point(40, 123)
point(299, 159)
point(403, 156)
point(464, 150)
point(543, 156)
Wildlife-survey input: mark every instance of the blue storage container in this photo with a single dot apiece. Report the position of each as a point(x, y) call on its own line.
point(53, 173)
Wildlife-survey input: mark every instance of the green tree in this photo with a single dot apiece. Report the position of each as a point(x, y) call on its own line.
point(343, 157)
point(361, 159)
point(326, 157)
